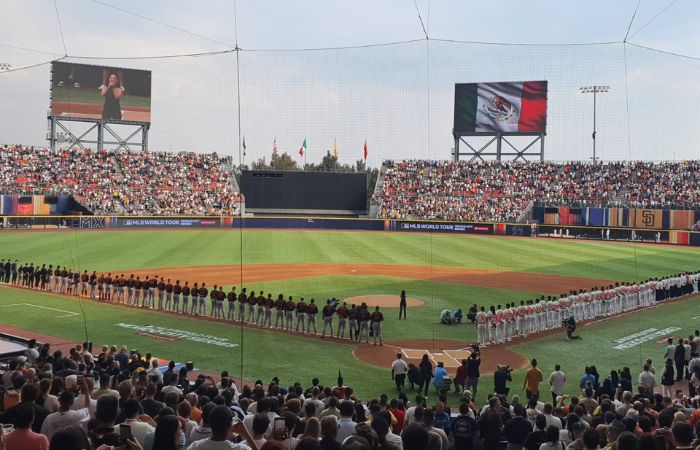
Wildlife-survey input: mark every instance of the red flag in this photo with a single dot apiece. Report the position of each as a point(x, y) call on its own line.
point(365, 149)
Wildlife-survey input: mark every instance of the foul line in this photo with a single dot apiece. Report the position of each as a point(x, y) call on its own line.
point(68, 313)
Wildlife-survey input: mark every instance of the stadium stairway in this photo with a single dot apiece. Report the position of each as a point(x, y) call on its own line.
point(374, 207)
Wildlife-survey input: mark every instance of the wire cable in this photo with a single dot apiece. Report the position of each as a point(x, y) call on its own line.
point(60, 28)
point(629, 26)
point(165, 24)
point(27, 49)
point(422, 25)
point(653, 18)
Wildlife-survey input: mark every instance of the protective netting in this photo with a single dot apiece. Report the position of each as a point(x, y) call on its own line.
point(399, 97)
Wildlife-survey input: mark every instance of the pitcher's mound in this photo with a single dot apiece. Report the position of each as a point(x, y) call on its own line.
point(383, 301)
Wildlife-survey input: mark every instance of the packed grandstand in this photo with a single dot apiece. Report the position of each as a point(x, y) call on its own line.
point(123, 182)
point(502, 191)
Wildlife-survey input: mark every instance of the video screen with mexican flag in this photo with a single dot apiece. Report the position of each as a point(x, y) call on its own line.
point(502, 107)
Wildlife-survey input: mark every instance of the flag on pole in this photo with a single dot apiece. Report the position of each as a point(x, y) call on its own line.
point(244, 147)
point(274, 147)
point(335, 149)
point(365, 150)
point(303, 148)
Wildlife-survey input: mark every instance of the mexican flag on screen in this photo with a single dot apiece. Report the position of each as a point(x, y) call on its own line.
point(510, 107)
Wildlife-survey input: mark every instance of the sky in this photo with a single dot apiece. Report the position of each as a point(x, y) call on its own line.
point(396, 97)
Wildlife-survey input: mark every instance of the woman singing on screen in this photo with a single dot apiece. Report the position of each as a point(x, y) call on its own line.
point(112, 92)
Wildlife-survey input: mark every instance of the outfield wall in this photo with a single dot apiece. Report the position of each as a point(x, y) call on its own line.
point(28, 223)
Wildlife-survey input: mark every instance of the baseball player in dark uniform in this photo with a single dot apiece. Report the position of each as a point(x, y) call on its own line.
point(130, 285)
point(138, 290)
point(231, 297)
point(327, 312)
point(177, 291)
point(261, 308)
point(252, 305)
point(353, 317)
point(212, 299)
point(168, 295)
point(195, 298)
point(152, 292)
point(301, 316)
point(269, 303)
point(280, 306)
point(242, 301)
point(342, 313)
point(377, 318)
point(311, 312)
point(289, 313)
point(185, 297)
point(364, 323)
point(203, 292)
point(161, 293)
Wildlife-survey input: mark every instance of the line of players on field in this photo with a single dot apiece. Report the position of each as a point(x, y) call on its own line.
point(243, 307)
point(499, 325)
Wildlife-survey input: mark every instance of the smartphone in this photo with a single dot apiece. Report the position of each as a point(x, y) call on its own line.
point(80, 378)
point(124, 433)
point(279, 426)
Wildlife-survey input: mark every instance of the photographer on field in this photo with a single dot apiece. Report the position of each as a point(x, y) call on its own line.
point(570, 325)
point(501, 377)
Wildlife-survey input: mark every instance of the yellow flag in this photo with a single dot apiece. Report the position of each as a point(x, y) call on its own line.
point(335, 150)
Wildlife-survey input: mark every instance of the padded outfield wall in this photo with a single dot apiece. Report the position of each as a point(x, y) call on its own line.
point(556, 231)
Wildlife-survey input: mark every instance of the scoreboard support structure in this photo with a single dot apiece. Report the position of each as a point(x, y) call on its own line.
point(61, 132)
point(521, 146)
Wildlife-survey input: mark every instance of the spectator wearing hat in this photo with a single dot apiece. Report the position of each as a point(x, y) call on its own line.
point(613, 431)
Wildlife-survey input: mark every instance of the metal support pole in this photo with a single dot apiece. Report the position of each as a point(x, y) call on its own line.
point(542, 147)
point(455, 155)
point(144, 138)
point(100, 136)
point(499, 138)
point(595, 91)
point(52, 136)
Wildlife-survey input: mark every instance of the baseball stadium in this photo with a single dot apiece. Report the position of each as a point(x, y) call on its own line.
point(445, 242)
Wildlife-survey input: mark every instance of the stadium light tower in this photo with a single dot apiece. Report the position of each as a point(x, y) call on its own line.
point(595, 90)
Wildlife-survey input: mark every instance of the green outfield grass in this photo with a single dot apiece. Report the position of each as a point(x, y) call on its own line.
point(267, 353)
point(114, 250)
point(92, 95)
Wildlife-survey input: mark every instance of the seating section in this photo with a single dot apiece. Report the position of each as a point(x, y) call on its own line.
point(123, 182)
point(493, 191)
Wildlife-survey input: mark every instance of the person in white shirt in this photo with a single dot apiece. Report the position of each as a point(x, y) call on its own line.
point(85, 391)
point(65, 416)
point(399, 369)
point(647, 379)
point(346, 426)
point(318, 404)
point(557, 380)
point(155, 371)
point(140, 425)
point(222, 425)
point(261, 425)
point(550, 419)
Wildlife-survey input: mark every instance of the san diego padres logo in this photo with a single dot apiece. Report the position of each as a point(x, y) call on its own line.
point(648, 218)
point(499, 108)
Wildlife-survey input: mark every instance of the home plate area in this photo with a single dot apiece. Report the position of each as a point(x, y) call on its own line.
point(450, 358)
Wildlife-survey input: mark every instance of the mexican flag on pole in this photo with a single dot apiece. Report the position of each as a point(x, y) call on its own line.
point(510, 107)
point(303, 148)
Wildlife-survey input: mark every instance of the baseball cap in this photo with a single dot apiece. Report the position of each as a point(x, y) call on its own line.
point(18, 381)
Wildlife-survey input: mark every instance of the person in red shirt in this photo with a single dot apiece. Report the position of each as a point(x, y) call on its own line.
point(23, 437)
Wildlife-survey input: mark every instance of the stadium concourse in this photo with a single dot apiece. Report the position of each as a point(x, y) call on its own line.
point(501, 191)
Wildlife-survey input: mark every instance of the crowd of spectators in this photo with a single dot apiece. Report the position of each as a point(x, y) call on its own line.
point(122, 182)
point(501, 191)
point(117, 398)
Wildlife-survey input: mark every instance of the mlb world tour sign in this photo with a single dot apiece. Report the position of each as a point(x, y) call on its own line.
point(156, 331)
